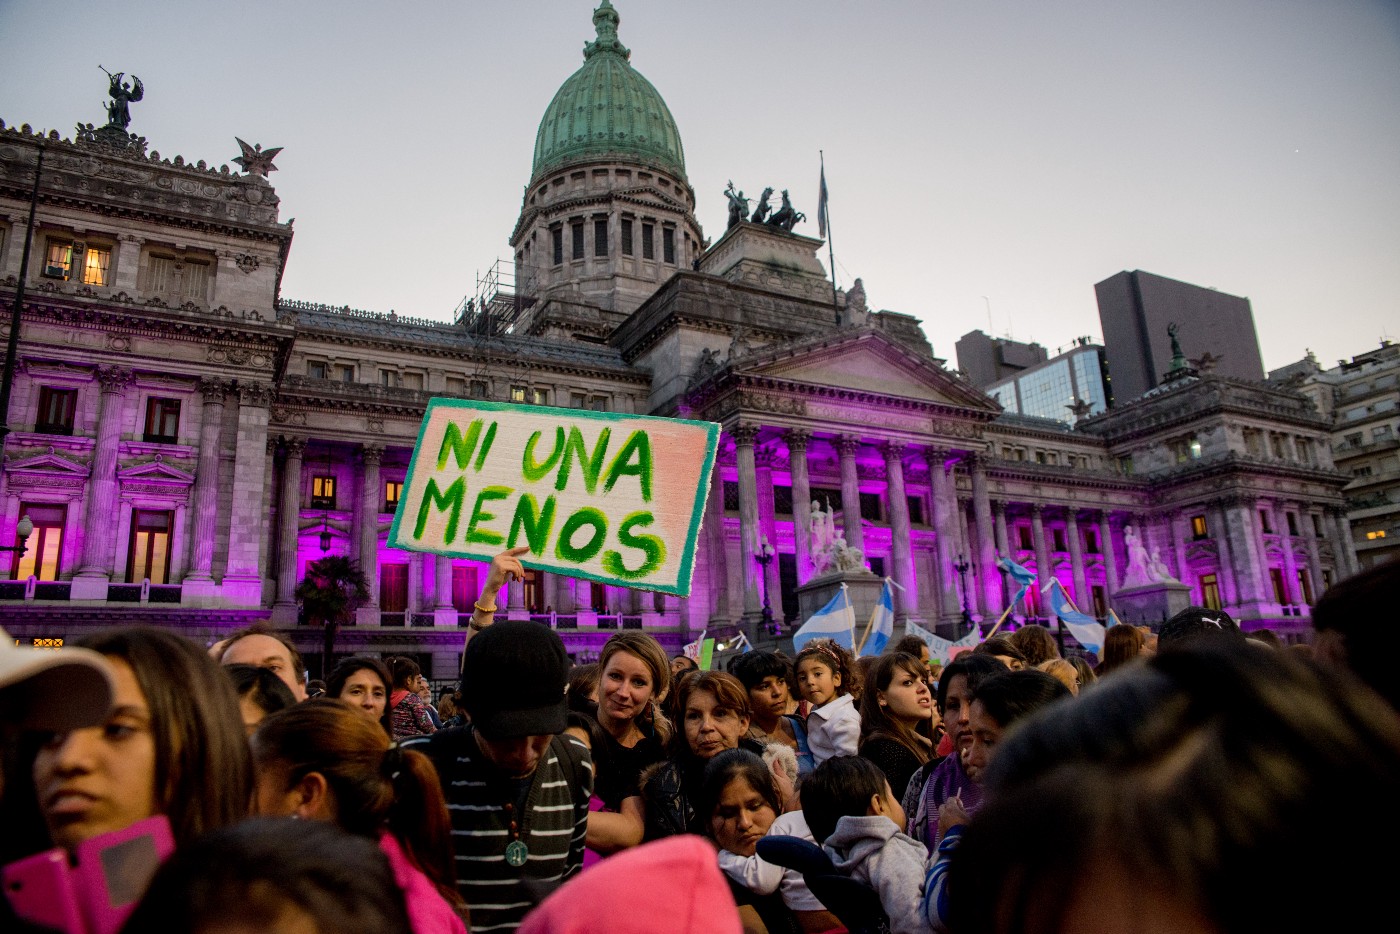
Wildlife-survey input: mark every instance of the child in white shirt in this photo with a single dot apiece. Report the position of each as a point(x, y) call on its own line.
point(824, 677)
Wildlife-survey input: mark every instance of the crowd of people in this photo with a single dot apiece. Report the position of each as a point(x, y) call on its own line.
point(1179, 783)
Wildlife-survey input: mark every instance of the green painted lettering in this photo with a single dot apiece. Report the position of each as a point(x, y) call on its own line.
point(633, 460)
point(535, 523)
point(590, 464)
point(533, 471)
point(486, 446)
point(588, 516)
point(452, 499)
point(653, 547)
point(458, 445)
point(480, 536)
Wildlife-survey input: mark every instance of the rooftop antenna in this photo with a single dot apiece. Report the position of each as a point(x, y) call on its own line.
point(991, 330)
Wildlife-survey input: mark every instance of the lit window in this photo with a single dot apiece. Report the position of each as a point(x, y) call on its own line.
point(95, 265)
point(150, 547)
point(323, 492)
point(1210, 592)
point(56, 409)
point(1195, 449)
point(517, 394)
point(44, 547)
point(540, 396)
point(393, 489)
point(1372, 536)
point(1198, 527)
point(58, 259)
point(162, 421)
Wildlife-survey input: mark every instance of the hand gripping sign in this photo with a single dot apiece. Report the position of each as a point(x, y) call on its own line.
point(597, 495)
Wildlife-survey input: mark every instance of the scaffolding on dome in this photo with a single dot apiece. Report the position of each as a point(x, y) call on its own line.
point(503, 294)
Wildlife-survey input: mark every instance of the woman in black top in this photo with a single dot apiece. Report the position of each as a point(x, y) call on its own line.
point(896, 718)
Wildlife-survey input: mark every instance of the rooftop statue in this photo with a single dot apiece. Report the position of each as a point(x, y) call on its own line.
point(256, 160)
point(786, 217)
point(760, 213)
point(1178, 355)
point(738, 204)
point(122, 94)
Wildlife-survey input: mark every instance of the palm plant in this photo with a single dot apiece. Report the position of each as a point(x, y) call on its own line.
point(333, 588)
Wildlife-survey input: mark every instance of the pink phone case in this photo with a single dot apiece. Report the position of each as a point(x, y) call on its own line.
point(40, 888)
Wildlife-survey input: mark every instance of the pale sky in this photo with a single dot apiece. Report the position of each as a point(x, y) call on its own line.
point(1002, 154)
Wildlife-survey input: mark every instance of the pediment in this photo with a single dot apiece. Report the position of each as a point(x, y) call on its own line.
point(156, 471)
point(866, 362)
point(48, 463)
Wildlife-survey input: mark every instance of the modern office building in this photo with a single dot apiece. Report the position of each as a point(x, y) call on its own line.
point(186, 440)
point(1071, 385)
point(986, 360)
point(1216, 330)
point(1361, 399)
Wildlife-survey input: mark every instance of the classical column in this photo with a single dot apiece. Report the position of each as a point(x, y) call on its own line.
point(371, 495)
point(243, 579)
point(744, 436)
point(289, 522)
point(442, 591)
point(1290, 562)
point(1076, 561)
point(796, 440)
point(846, 447)
point(204, 498)
point(1217, 524)
point(1044, 569)
point(992, 602)
point(767, 528)
point(1310, 536)
point(716, 553)
point(1180, 525)
point(1242, 529)
point(941, 497)
point(415, 585)
point(1003, 545)
point(100, 522)
point(1110, 560)
point(901, 551)
point(1343, 545)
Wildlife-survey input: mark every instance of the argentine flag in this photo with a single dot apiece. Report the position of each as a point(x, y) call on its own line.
point(1088, 631)
point(835, 621)
point(881, 623)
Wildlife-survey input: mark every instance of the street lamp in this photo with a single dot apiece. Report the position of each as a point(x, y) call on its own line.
point(763, 555)
point(962, 567)
point(23, 530)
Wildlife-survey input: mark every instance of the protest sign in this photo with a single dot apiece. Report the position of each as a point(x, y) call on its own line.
point(597, 495)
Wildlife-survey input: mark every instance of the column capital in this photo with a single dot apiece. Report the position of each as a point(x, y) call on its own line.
point(743, 434)
point(114, 379)
point(1037, 510)
point(797, 440)
point(846, 445)
point(371, 454)
point(998, 507)
point(764, 457)
point(1071, 516)
point(255, 393)
point(295, 447)
point(893, 451)
point(214, 390)
point(937, 459)
point(976, 461)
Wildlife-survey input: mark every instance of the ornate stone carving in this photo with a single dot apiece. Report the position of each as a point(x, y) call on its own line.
point(119, 343)
point(246, 262)
point(764, 402)
point(846, 445)
point(255, 394)
point(284, 416)
point(240, 356)
point(743, 434)
point(214, 390)
point(114, 379)
point(375, 425)
point(256, 160)
point(371, 454)
point(893, 450)
point(294, 446)
point(797, 439)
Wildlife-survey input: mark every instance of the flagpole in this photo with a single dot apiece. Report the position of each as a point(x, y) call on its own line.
point(830, 249)
point(999, 622)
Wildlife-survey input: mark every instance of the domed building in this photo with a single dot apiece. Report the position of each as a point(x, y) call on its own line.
point(185, 441)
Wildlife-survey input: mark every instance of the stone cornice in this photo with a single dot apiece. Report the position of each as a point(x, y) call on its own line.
point(728, 383)
point(1209, 396)
point(1233, 464)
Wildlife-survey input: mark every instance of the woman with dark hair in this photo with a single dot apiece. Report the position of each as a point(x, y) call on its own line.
point(364, 683)
point(1183, 790)
point(273, 875)
point(407, 715)
point(768, 677)
point(173, 744)
point(323, 761)
point(1122, 646)
point(260, 692)
point(715, 716)
point(896, 719)
point(1036, 643)
point(940, 780)
point(739, 804)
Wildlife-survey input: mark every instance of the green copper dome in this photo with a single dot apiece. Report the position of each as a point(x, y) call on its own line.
point(607, 109)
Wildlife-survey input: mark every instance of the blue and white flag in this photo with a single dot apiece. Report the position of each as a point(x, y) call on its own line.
point(1021, 575)
point(881, 623)
point(1086, 630)
point(835, 621)
point(940, 649)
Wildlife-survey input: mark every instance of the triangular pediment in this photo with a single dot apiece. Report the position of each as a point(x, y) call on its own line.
point(155, 471)
point(865, 361)
point(49, 463)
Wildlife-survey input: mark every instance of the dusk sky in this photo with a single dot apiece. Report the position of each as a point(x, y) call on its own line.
point(981, 154)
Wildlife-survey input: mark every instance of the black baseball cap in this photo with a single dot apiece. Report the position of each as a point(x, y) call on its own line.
point(513, 680)
point(1197, 622)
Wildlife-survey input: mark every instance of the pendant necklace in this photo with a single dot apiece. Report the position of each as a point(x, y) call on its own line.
point(516, 850)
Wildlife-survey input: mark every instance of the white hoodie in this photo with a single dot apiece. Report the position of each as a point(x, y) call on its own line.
point(871, 849)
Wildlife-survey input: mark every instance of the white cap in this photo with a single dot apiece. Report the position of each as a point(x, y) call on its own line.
point(52, 689)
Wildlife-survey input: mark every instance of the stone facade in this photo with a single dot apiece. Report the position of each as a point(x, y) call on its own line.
point(186, 440)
